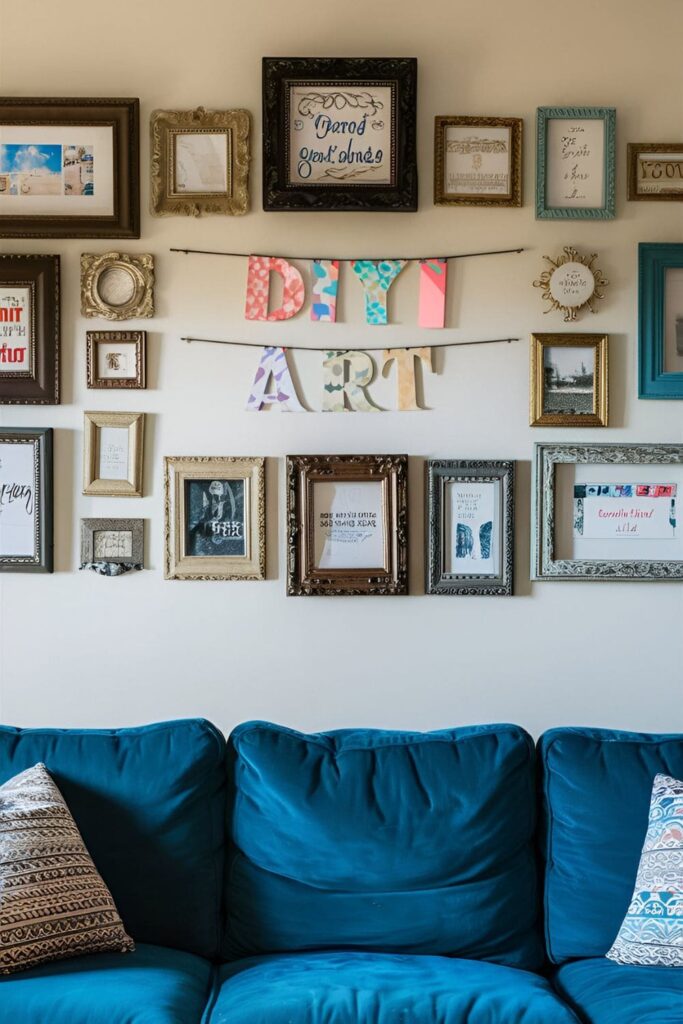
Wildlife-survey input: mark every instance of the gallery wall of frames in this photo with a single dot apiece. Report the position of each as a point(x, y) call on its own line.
point(287, 264)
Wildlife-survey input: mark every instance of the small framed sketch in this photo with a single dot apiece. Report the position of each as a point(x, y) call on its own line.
point(200, 162)
point(655, 171)
point(339, 133)
point(575, 162)
point(112, 547)
point(478, 161)
point(29, 330)
point(25, 499)
point(470, 527)
point(568, 386)
point(660, 320)
point(69, 168)
point(215, 518)
point(112, 454)
point(116, 359)
point(607, 511)
point(347, 519)
point(117, 286)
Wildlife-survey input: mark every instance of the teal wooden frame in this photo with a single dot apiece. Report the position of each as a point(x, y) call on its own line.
point(654, 259)
point(606, 212)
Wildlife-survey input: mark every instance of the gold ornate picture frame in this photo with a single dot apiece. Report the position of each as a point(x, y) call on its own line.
point(199, 162)
point(477, 161)
point(655, 171)
point(117, 286)
point(116, 359)
point(113, 448)
point(569, 380)
point(572, 283)
point(214, 518)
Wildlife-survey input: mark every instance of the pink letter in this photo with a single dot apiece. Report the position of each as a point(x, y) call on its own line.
point(258, 289)
point(433, 274)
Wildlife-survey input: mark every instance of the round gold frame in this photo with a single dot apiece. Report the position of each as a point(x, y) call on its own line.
point(139, 267)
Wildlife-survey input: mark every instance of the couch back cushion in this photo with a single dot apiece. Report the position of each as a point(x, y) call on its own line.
point(596, 787)
point(376, 840)
point(149, 803)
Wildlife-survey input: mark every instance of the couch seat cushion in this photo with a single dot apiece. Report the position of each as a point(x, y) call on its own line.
point(607, 993)
point(381, 988)
point(150, 986)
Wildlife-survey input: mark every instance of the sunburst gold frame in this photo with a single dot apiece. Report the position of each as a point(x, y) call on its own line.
point(139, 269)
point(558, 289)
point(538, 416)
point(513, 195)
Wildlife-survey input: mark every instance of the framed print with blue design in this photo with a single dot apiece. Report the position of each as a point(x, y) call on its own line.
point(575, 163)
point(660, 320)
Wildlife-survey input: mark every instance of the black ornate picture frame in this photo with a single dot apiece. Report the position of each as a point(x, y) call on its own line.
point(26, 508)
point(470, 527)
point(29, 329)
point(355, 122)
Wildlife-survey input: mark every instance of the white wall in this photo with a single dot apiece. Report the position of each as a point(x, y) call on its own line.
point(77, 649)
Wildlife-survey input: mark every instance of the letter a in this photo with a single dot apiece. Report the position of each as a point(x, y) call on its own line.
point(376, 279)
point(361, 370)
point(273, 363)
point(258, 289)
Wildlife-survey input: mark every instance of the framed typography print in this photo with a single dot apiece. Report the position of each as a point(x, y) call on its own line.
point(29, 330)
point(339, 133)
point(116, 359)
point(347, 524)
point(607, 511)
point(478, 161)
point(660, 320)
point(575, 162)
point(568, 386)
point(470, 527)
point(112, 547)
point(113, 453)
point(69, 168)
point(25, 499)
point(655, 171)
point(215, 518)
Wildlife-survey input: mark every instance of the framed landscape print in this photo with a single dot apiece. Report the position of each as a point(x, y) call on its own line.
point(113, 454)
point(25, 499)
point(655, 171)
point(660, 320)
point(478, 161)
point(470, 527)
point(112, 547)
point(200, 162)
point(116, 359)
point(569, 386)
point(29, 330)
point(339, 133)
point(347, 524)
point(215, 518)
point(607, 511)
point(575, 162)
point(69, 168)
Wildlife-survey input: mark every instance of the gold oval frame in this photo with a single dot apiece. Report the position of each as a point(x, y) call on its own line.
point(571, 255)
point(140, 267)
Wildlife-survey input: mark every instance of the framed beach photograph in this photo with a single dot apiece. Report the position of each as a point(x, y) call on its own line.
point(660, 320)
point(69, 168)
point(199, 162)
point(607, 511)
point(116, 359)
point(112, 547)
point(112, 453)
point(569, 384)
point(470, 527)
point(29, 330)
point(477, 161)
point(339, 133)
point(575, 162)
point(655, 171)
point(215, 518)
point(347, 521)
point(26, 498)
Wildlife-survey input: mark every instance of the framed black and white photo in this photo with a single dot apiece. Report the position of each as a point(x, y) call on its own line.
point(569, 386)
point(26, 499)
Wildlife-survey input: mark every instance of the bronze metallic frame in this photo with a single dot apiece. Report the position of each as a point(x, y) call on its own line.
point(513, 197)
point(137, 338)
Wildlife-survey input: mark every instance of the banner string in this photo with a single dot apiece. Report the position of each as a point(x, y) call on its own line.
point(363, 348)
point(347, 259)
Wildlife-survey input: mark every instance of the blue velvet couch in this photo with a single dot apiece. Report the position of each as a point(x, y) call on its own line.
point(354, 877)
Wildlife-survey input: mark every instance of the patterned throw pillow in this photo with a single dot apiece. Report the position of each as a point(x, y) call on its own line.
point(652, 932)
point(53, 903)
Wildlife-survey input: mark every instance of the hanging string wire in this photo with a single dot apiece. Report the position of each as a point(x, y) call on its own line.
point(331, 348)
point(348, 259)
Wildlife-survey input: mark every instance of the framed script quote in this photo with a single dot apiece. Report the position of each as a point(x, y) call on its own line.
point(575, 162)
point(112, 453)
point(478, 161)
point(26, 499)
point(339, 133)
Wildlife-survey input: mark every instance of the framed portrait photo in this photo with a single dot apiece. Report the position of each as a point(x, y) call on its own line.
point(25, 499)
point(200, 162)
point(215, 518)
point(347, 521)
point(112, 454)
point(339, 133)
point(477, 161)
point(29, 330)
point(655, 171)
point(116, 359)
point(660, 320)
point(569, 384)
point(575, 162)
point(470, 527)
point(112, 547)
point(607, 511)
point(69, 168)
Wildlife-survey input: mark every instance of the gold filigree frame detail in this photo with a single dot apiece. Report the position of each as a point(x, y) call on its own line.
point(514, 126)
point(139, 267)
point(165, 125)
point(599, 344)
point(571, 255)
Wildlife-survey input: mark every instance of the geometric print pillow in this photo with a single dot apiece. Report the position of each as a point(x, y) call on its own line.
point(652, 931)
point(53, 902)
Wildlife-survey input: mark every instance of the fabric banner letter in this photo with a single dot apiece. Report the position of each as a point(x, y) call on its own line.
point(325, 275)
point(258, 289)
point(347, 373)
point(273, 363)
point(433, 277)
point(405, 373)
point(376, 278)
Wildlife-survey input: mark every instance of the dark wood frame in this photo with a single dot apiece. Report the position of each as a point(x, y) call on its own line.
point(444, 198)
point(438, 473)
point(41, 275)
point(138, 338)
point(633, 152)
point(42, 561)
point(303, 472)
point(123, 115)
point(398, 72)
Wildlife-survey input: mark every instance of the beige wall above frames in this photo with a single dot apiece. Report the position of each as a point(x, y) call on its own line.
point(80, 649)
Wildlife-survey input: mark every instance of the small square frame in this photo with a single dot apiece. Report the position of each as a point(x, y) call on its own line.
point(96, 338)
point(40, 384)
point(599, 416)
point(89, 527)
point(512, 198)
point(134, 423)
point(634, 152)
point(606, 212)
point(654, 259)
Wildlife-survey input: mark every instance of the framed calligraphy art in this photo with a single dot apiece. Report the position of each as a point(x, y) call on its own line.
point(655, 171)
point(660, 320)
point(112, 454)
point(112, 547)
point(339, 133)
point(26, 499)
point(29, 330)
point(575, 162)
point(478, 161)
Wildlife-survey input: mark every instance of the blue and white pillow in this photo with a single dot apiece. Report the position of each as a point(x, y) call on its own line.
point(652, 931)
